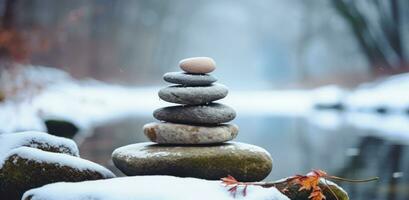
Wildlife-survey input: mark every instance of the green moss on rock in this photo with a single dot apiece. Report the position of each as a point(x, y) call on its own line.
point(51, 148)
point(20, 174)
point(38, 140)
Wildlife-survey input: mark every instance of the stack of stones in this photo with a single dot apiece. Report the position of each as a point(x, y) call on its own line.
point(192, 139)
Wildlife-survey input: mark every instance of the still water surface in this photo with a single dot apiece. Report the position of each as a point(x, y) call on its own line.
point(297, 145)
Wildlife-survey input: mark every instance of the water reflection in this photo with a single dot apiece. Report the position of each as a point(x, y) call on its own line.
point(386, 159)
point(327, 141)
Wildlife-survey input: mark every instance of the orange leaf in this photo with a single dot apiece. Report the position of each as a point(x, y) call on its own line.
point(316, 194)
point(309, 183)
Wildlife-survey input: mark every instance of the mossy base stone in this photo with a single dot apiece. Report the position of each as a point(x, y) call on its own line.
point(243, 161)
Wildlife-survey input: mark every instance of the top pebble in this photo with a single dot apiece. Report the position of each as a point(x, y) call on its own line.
point(198, 65)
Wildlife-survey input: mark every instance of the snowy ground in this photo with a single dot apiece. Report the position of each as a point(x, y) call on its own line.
point(149, 188)
point(90, 103)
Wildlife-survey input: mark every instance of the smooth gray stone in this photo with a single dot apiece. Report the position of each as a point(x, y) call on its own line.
point(186, 79)
point(243, 161)
point(170, 133)
point(193, 95)
point(213, 113)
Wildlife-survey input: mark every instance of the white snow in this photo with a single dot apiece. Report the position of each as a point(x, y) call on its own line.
point(392, 127)
point(391, 93)
point(59, 159)
point(30, 138)
point(90, 103)
point(328, 95)
point(19, 117)
point(149, 188)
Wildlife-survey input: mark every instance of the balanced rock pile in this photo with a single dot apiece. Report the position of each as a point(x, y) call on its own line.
point(192, 139)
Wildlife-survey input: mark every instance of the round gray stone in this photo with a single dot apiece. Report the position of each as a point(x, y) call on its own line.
point(243, 161)
point(210, 114)
point(170, 133)
point(186, 79)
point(193, 95)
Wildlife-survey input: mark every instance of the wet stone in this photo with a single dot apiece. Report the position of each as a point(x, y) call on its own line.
point(187, 79)
point(213, 113)
point(193, 95)
point(243, 161)
point(170, 133)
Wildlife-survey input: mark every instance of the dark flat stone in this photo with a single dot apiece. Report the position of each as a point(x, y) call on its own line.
point(193, 95)
point(183, 78)
point(210, 114)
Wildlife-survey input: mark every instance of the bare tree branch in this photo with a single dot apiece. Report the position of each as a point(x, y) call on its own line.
point(382, 42)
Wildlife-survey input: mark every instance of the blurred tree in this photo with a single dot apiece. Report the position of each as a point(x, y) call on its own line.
point(12, 45)
point(379, 27)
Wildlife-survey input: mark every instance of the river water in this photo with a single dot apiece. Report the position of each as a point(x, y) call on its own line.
point(350, 146)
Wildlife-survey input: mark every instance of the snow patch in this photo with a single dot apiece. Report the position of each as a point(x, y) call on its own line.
point(19, 117)
point(15, 140)
point(328, 95)
point(88, 104)
point(390, 93)
point(148, 188)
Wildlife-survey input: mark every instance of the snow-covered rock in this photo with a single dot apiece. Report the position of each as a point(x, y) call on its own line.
point(148, 188)
point(39, 140)
point(33, 159)
point(25, 168)
point(57, 159)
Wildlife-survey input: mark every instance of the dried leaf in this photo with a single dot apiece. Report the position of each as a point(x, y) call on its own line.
point(298, 183)
point(316, 194)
